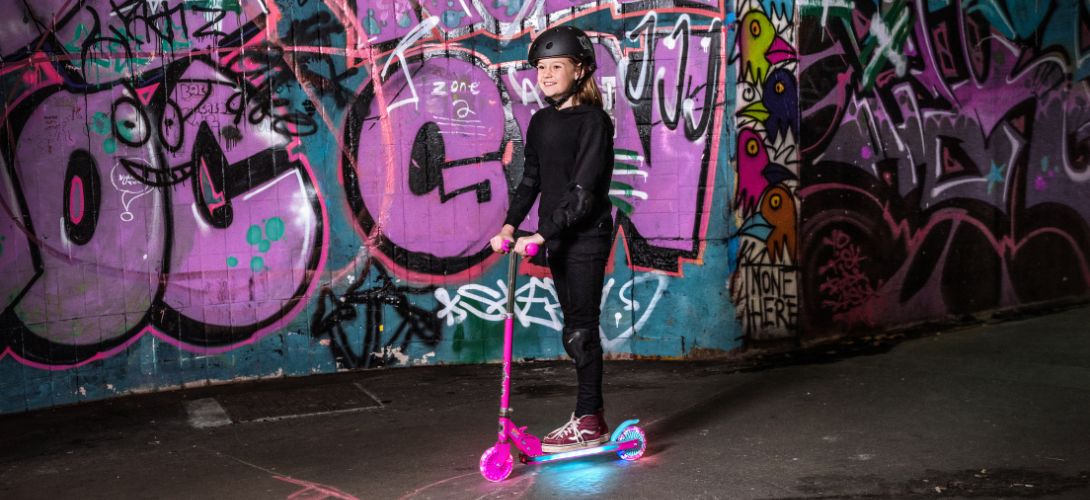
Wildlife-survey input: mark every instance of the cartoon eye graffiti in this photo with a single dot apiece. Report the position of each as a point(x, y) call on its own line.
point(775, 201)
point(130, 122)
point(82, 197)
point(751, 147)
point(755, 28)
point(779, 88)
point(172, 127)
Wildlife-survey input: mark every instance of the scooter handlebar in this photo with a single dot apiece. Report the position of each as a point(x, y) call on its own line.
point(509, 245)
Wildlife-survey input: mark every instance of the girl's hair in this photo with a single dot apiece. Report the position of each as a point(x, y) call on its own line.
point(588, 92)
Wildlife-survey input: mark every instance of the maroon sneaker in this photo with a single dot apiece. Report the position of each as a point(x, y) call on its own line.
point(583, 432)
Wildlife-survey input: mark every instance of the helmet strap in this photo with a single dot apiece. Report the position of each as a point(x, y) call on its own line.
point(556, 102)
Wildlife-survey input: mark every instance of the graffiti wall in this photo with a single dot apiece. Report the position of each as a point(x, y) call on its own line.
point(945, 148)
point(765, 287)
point(217, 190)
point(198, 191)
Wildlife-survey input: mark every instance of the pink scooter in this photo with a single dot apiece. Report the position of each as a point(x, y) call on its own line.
point(628, 441)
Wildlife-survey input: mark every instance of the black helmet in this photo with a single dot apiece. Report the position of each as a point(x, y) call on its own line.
point(563, 41)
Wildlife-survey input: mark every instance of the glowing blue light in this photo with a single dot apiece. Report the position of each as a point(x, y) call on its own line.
point(576, 453)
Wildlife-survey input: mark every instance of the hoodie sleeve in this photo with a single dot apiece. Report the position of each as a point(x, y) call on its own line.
point(528, 189)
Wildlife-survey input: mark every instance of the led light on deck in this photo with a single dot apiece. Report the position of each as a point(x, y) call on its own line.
point(576, 453)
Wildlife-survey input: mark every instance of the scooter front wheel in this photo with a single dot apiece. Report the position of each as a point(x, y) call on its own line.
point(496, 463)
point(629, 434)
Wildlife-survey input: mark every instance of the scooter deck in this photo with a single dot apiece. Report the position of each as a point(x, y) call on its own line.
point(604, 448)
point(614, 445)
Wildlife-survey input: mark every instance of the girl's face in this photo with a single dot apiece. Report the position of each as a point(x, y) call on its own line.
point(555, 75)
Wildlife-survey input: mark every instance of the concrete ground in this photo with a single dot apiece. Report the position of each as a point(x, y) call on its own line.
point(1000, 410)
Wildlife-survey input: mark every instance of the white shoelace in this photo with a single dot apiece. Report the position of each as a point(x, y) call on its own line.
point(570, 428)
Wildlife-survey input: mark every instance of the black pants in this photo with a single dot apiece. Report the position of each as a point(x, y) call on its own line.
point(578, 265)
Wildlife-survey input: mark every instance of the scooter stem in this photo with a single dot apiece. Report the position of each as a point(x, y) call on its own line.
point(509, 323)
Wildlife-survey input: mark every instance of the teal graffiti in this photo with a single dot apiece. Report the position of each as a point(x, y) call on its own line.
point(784, 8)
point(1026, 15)
point(452, 18)
point(513, 6)
point(262, 239)
point(101, 125)
point(877, 50)
point(1044, 23)
point(816, 8)
point(274, 228)
point(253, 235)
point(227, 5)
point(72, 46)
point(175, 41)
point(371, 24)
point(995, 176)
point(623, 169)
point(937, 5)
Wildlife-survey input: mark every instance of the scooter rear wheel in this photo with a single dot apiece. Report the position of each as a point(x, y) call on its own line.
point(628, 435)
point(496, 463)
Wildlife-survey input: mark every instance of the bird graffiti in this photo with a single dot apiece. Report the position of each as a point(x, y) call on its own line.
point(778, 107)
point(778, 209)
point(752, 159)
point(755, 171)
point(760, 47)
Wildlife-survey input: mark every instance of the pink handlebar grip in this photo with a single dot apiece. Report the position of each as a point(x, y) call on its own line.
point(531, 249)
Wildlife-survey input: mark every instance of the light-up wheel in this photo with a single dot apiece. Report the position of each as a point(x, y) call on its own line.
point(496, 463)
point(629, 434)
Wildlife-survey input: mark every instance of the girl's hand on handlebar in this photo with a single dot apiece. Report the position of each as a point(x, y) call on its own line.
point(505, 234)
point(535, 239)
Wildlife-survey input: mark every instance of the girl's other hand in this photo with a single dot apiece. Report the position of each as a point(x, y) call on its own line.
point(520, 245)
point(505, 234)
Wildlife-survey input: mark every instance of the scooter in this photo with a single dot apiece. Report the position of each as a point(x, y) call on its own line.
point(628, 440)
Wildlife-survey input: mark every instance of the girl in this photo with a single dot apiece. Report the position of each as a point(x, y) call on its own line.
point(569, 162)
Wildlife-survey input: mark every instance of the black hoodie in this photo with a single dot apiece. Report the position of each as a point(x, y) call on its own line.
point(569, 160)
